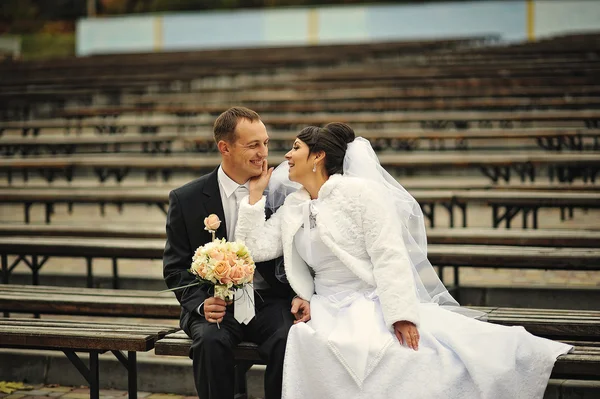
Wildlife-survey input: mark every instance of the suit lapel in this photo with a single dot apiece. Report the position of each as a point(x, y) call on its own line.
point(212, 203)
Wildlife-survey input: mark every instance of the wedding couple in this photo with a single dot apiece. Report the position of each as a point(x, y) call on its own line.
point(355, 310)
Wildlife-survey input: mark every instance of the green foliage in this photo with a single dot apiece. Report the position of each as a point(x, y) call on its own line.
point(44, 45)
point(18, 10)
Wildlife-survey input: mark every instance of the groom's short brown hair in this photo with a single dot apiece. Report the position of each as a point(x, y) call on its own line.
point(224, 127)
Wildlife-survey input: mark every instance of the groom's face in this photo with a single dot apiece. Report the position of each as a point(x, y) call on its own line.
point(249, 149)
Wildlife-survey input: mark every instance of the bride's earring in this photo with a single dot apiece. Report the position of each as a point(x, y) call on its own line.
point(315, 167)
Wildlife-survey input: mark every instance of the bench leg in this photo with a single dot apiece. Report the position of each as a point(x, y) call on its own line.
point(130, 363)
point(241, 387)
point(94, 376)
point(90, 273)
point(91, 374)
point(115, 267)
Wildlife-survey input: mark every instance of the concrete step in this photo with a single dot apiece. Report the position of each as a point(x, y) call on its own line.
point(165, 374)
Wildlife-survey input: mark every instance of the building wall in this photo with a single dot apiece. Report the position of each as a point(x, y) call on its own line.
point(512, 20)
point(555, 17)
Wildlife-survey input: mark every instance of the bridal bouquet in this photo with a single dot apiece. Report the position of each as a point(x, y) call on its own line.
point(222, 264)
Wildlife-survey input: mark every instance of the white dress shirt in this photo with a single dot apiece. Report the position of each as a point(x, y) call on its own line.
point(227, 188)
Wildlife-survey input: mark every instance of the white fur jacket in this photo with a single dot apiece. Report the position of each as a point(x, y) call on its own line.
point(352, 223)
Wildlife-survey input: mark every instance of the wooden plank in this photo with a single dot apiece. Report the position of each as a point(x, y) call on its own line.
point(583, 362)
point(536, 198)
point(539, 238)
point(35, 333)
point(68, 246)
point(498, 256)
point(322, 118)
point(348, 104)
point(86, 140)
point(83, 231)
point(515, 257)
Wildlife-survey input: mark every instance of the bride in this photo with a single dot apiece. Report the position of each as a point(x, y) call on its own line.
point(378, 323)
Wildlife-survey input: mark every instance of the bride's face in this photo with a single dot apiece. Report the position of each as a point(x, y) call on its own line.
point(300, 161)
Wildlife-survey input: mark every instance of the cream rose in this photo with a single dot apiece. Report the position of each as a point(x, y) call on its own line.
point(223, 292)
point(212, 222)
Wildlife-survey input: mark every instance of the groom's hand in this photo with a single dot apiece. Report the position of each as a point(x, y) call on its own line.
point(407, 332)
point(300, 310)
point(258, 184)
point(214, 309)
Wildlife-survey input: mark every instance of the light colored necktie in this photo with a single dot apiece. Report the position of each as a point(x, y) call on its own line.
point(243, 306)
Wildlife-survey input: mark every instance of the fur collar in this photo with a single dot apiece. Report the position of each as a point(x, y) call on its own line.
point(300, 196)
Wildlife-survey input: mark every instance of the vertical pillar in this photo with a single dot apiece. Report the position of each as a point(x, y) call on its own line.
point(313, 26)
point(531, 20)
point(158, 34)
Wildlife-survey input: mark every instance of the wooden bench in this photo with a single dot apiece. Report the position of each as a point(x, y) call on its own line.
point(439, 235)
point(459, 119)
point(158, 73)
point(73, 336)
point(349, 105)
point(582, 363)
point(35, 251)
point(506, 204)
point(409, 140)
point(62, 145)
point(582, 328)
point(525, 199)
point(581, 325)
point(337, 94)
point(381, 139)
point(564, 167)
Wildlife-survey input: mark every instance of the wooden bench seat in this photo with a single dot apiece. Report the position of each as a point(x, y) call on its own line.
point(350, 105)
point(506, 203)
point(373, 92)
point(564, 167)
point(73, 336)
point(35, 251)
point(575, 325)
point(582, 363)
point(88, 301)
point(65, 145)
point(293, 94)
point(381, 139)
point(186, 70)
point(449, 236)
point(296, 119)
point(582, 325)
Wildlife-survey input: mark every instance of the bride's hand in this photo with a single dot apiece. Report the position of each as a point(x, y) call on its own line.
point(300, 310)
point(407, 332)
point(258, 184)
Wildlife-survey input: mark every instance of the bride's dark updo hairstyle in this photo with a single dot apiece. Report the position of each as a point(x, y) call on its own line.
point(332, 139)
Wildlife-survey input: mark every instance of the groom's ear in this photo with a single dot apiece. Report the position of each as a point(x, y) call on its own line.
point(224, 147)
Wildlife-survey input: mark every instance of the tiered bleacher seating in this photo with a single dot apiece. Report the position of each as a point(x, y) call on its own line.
point(434, 110)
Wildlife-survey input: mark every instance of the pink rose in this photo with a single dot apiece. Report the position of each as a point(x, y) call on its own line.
point(249, 270)
point(222, 270)
point(212, 222)
point(231, 258)
point(217, 255)
point(200, 269)
point(237, 275)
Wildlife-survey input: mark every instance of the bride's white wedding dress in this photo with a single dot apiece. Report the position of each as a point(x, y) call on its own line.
point(346, 351)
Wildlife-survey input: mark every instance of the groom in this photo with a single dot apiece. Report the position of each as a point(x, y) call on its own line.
point(242, 141)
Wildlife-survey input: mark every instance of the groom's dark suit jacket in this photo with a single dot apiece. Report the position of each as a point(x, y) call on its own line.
point(188, 206)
